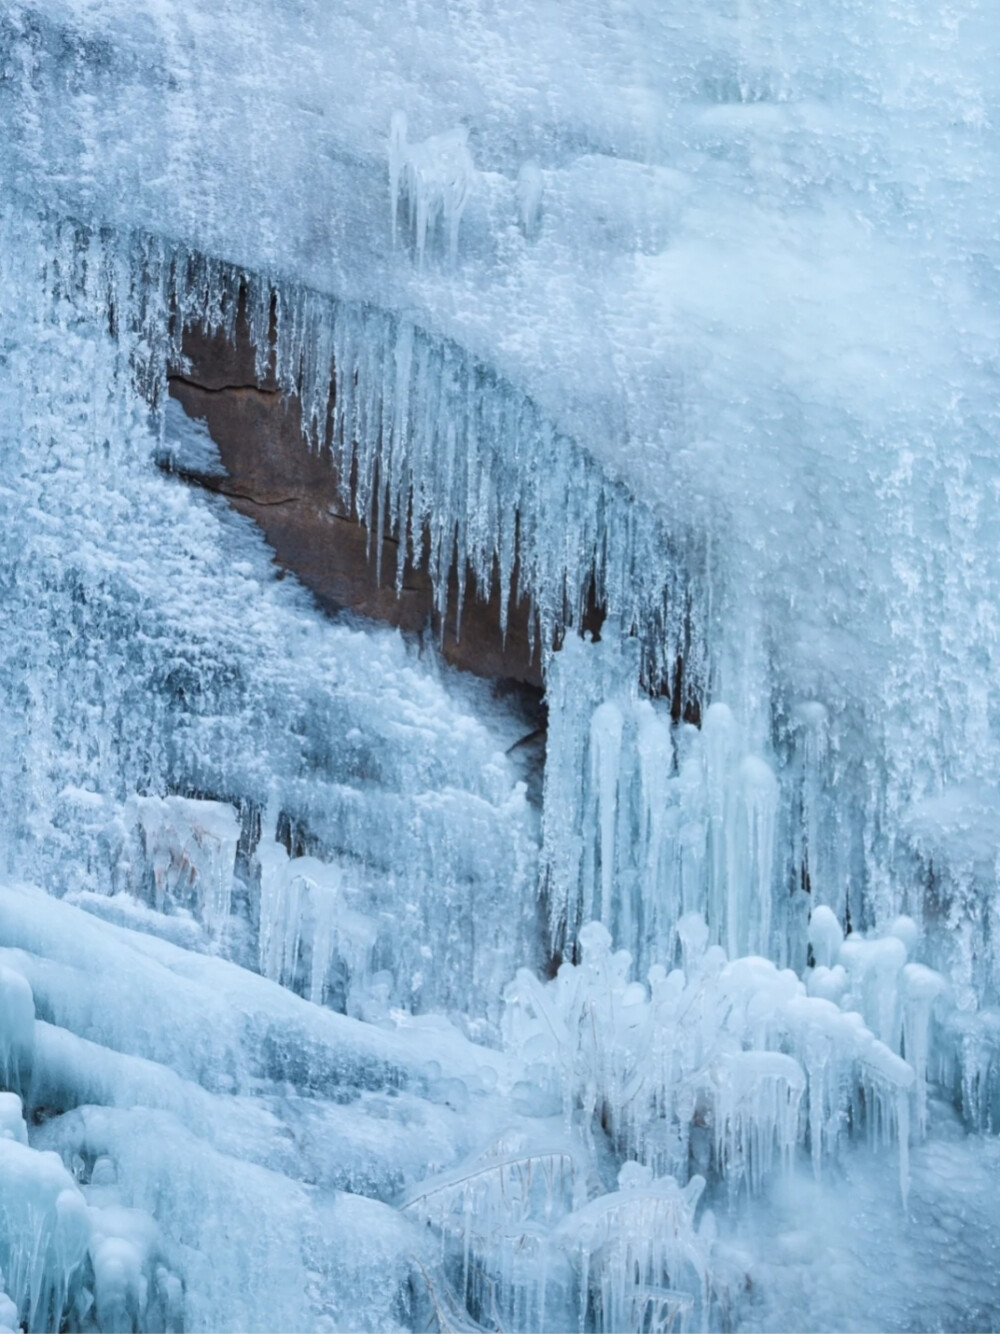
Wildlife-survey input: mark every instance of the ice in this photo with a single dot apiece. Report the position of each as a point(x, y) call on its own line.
point(8, 1313)
point(605, 761)
point(303, 910)
point(757, 1113)
point(676, 326)
point(146, 1140)
point(17, 1028)
point(188, 447)
point(530, 190)
point(190, 847)
point(921, 987)
point(120, 1286)
point(654, 836)
point(434, 178)
point(900, 999)
point(639, 1247)
point(825, 936)
point(45, 1234)
point(500, 1208)
point(735, 1045)
point(12, 1124)
point(873, 968)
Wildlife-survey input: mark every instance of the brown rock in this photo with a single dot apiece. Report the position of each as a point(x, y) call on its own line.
point(292, 493)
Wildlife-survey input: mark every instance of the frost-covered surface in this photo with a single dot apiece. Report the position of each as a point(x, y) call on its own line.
point(308, 1018)
point(741, 254)
point(758, 279)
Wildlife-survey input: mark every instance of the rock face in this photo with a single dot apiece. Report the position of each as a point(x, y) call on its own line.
point(292, 493)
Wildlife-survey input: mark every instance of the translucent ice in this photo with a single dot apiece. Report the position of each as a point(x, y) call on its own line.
point(434, 178)
point(44, 1234)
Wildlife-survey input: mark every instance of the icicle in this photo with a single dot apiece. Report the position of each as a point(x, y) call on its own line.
point(812, 720)
point(656, 759)
point(825, 936)
point(434, 177)
point(920, 988)
point(191, 852)
point(749, 904)
point(530, 185)
point(902, 1109)
point(605, 762)
point(17, 1030)
point(873, 967)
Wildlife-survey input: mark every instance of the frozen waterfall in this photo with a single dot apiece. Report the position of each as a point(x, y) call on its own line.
point(670, 331)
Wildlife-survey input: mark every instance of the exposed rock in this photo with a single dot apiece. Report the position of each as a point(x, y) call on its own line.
point(292, 493)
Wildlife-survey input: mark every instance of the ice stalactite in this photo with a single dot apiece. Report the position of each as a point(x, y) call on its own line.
point(731, 1045)
point(307, 925)
point(428, 444)
point(190, 847)
point(646, 820)
point(434, 178)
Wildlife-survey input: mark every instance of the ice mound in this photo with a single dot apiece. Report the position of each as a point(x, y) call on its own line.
point(731, 1048)
point(45, 1233)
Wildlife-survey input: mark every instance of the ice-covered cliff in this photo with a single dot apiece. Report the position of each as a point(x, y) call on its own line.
point(317, 1008)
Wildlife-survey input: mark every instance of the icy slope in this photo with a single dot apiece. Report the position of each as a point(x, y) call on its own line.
point(230, 1156)
point(210, 1130)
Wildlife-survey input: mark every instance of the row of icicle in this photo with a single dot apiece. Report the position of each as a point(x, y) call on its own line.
point(428, 444)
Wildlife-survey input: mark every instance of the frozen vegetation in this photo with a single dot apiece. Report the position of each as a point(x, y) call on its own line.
point(317, 1011)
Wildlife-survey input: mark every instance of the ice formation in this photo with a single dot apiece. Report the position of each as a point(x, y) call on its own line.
point(678, 326)
point(434, 178)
